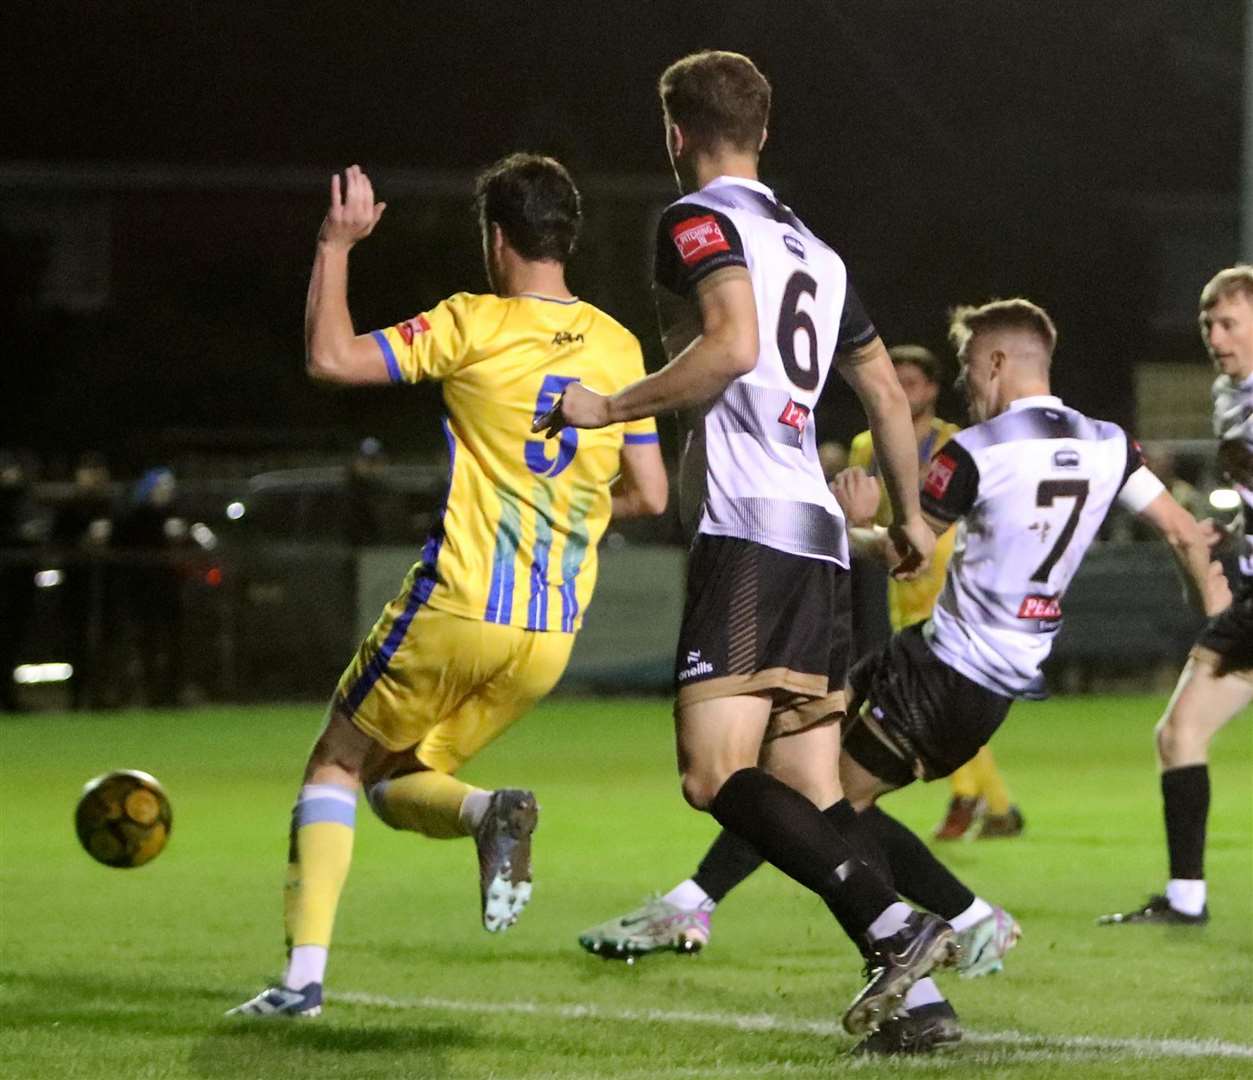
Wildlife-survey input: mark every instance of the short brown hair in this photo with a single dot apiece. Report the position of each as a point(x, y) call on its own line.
point(1013, 314)
point(920, 356)
point(1235, 279)
point(716, 97)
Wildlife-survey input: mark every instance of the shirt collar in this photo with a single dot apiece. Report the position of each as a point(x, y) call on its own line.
point(1039, 401)
point(742, 181)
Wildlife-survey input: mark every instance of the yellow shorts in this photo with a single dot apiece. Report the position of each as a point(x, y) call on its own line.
point(444, 684)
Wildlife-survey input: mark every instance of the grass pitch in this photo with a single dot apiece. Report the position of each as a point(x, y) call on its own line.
point(108, 973)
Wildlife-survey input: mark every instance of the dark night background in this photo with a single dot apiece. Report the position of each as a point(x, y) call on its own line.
point(1086, 155)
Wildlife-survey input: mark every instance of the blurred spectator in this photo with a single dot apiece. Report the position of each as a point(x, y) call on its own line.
point(833, 457)
point(85, 519)
point(82, 525)
point(367, 492)
point(149, 582)
point(17, 573)
point(1162, 462)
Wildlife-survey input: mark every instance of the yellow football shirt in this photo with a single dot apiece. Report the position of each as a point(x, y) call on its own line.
point(911, 601)
point(516, 541)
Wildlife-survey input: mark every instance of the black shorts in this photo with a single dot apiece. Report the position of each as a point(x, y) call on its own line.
point(913, 716)
point(761, 621)
point(1227, 641)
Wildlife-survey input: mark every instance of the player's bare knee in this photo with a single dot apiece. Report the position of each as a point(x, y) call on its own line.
point(700, 788)
point(1179, 741)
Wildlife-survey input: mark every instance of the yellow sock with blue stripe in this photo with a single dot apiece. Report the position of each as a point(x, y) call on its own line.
point(323, 821)
point(429, 802)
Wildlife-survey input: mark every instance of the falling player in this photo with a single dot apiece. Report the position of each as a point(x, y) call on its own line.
point(755, 308)
point(1030, 483)
point(485, 622)
point(977, 789)
point(1217, 681)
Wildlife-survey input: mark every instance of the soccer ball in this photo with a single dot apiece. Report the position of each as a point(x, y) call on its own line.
point(123, 818)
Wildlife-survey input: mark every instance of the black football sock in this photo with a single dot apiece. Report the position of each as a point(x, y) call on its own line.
point(728, 861)
point(793, 835)
point(864, 843)
point(917, 874)
point(1185, 799)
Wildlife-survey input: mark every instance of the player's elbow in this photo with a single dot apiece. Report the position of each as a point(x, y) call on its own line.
point(654, 497)
point(736, 347)
point(741, 353)
point(322, 365)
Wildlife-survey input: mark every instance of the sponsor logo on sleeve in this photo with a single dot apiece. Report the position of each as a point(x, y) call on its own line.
point(410, 327)
point(1040, 607)
point(939, 475)
point(698, 237)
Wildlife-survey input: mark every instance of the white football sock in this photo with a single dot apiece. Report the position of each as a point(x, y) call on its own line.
point(923, 992)
point(306, 965)
point(892, 919)
point(473, 810)
point(977, 912)
point(690, 897)
point(1186, 896)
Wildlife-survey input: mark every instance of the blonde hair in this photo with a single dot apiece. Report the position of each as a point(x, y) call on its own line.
point(1016, 313)
point(1235, 279)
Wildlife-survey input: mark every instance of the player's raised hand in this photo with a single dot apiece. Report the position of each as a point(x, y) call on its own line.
point(914, 542)
point(353, 212)
point(578, 407)
point(857, 492)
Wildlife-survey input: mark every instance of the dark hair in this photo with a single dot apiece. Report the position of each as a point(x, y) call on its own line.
point(535, 203)
point(920, 356)
point(716, 97)
point(1013, 314)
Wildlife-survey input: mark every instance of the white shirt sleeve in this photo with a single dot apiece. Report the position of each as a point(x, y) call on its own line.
point(1141, 488)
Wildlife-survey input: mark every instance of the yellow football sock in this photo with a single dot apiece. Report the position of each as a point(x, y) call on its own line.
point(426, 802)
point(963, 782)
point(991, 785)
point(322, 845)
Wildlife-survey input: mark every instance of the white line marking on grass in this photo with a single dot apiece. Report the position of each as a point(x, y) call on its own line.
point(1020, 1043)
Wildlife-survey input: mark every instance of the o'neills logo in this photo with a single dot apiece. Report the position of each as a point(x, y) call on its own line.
point(696, 666)
point(1040, 607)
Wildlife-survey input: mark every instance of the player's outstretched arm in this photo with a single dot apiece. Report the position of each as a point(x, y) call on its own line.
point(642, 488)
point(333, 352)
point(725, 349)
point(1204, 582)
point(869, 371)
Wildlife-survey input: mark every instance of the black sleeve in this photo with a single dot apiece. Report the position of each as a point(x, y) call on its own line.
point(856, 329)
point(1135, 458)
point(692, 242)
point(951, 484)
